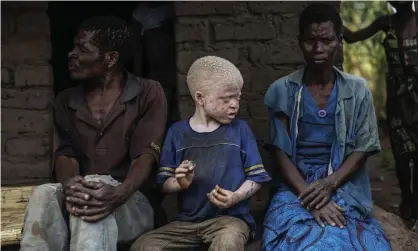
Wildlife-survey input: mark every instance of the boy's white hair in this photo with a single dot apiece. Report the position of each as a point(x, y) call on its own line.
point(206, 73)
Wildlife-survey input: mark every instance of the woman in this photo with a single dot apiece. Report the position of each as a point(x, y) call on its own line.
point(322, 128)
point(402, 95)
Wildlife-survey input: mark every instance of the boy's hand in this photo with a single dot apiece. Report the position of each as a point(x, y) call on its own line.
point(184, 174)
point(223, 198)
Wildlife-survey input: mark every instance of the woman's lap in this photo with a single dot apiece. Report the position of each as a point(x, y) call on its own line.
point(288, 226)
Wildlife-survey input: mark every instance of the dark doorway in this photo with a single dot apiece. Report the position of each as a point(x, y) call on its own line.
point(154, 56)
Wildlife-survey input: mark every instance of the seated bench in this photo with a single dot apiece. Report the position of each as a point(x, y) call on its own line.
point(13, 204)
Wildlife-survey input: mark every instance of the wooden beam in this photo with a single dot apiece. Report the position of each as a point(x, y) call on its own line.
point(13, 204)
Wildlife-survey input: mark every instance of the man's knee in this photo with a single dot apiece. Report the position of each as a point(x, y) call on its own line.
point(43, 206)
point(108, 223)
point(93, 235)
point(106, 179)
point(46, 194)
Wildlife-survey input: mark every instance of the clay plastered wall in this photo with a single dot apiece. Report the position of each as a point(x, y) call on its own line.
point(259, 37)
point(26, 83)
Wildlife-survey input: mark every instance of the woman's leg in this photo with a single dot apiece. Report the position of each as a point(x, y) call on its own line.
point(414, 198)
point(403, 171)
point(400, 145)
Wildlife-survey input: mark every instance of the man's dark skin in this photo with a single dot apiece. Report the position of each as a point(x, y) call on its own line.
point(102, 74)
point(319, 43)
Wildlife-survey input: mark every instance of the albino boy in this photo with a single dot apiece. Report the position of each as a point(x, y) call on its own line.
point(212, 160)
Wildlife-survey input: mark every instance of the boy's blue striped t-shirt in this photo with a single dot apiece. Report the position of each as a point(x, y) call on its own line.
point(226, 157)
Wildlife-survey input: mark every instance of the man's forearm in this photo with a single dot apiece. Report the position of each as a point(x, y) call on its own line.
point(171, 186)
point(247, 189)
point(66, 168)
point(353, 163)
point(138, 174)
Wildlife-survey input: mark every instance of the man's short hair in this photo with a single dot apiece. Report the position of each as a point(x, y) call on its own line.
point(110, 34)
point(320, 13)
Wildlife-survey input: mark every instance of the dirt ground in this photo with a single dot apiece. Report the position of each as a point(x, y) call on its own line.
point(385, 189)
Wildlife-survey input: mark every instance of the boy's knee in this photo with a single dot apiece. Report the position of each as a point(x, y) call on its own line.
point(146, 243)
point(229, 240)
point(234, 225)
point(232, 236)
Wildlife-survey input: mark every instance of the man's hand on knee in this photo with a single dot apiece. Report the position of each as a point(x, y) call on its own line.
point(104, 200)
point(74, 199)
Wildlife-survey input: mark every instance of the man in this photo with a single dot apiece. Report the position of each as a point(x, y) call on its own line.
point(110, 129)
point(322, 129)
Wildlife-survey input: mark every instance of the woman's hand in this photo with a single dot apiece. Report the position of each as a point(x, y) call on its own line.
point(331, 213)
point(317, 194)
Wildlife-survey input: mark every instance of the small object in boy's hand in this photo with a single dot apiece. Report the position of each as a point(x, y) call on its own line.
point(211, 192)
point(192, 165)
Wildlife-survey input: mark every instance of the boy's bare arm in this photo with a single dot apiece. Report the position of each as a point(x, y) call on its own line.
point(171, 186)
point(247, 189)
point(223, 198)
point(182, 180)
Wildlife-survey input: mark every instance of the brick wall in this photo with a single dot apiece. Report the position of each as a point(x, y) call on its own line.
point(26, 81)
point(259, 37)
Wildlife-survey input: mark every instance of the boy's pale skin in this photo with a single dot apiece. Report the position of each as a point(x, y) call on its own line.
point(216, 105)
